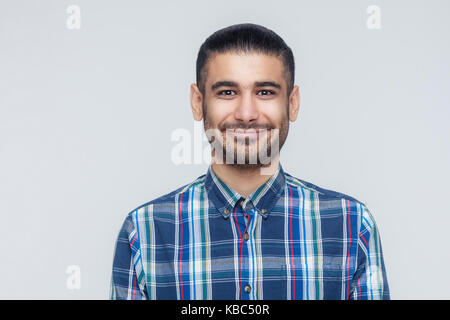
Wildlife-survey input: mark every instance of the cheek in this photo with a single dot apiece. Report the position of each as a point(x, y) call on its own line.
point(217, 114)
point(275, 119)
point(275, 112)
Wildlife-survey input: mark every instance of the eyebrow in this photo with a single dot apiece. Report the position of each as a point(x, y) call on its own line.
point(219, 84)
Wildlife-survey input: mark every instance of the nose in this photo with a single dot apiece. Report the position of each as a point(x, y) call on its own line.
point(247, 111)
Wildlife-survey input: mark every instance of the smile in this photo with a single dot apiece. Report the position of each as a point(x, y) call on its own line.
point(244, 133)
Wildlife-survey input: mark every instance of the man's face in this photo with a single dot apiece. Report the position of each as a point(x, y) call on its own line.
point(246, 106)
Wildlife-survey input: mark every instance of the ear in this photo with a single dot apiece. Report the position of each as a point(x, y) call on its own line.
point(196, 102)
point(294, 103)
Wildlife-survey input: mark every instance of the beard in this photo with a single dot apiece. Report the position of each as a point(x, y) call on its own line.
point(246, 152)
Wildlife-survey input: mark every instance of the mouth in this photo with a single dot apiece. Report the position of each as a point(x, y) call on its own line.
point(243, 133)
point(251, 133)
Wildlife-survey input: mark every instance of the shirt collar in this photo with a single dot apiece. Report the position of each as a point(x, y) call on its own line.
point(262, 199)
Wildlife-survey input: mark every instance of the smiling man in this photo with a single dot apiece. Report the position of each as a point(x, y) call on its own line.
point(247, 229)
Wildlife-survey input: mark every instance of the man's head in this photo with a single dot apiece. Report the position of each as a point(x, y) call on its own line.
point(245, 80)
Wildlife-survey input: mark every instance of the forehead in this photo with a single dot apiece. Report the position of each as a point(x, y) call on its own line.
point(245, 68)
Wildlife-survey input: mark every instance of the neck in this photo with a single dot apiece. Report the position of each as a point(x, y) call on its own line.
point(245, 179)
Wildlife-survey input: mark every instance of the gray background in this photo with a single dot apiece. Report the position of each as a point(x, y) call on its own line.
point(86, 118)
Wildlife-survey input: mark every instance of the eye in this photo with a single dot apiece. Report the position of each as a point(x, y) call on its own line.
point(220, 92)
point(270, 91)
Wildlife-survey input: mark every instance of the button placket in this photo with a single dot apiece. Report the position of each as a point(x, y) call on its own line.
point(245, 250)
point(249, 217)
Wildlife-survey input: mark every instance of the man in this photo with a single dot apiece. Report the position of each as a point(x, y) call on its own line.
point(246, 229)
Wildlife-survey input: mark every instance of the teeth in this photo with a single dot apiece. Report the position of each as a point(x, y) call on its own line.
point(242, 130)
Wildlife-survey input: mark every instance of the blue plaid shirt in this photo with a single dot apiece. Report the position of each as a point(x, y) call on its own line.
point(288, 240)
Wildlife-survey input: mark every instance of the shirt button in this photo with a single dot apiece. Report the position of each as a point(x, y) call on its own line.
point(226, 211)
point(242, 203)
point(248, 289)
point(263, 211)
point(246, 236)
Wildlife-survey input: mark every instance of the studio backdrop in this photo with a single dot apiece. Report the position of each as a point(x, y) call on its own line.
point(92, 94)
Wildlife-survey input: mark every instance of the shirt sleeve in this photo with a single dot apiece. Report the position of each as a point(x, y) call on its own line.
point(127, 279)
point(370, 280)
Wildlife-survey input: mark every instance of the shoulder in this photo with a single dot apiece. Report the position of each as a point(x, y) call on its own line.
point(335, 204)
point(325, 194)
point(164, 204)
point(331, 201)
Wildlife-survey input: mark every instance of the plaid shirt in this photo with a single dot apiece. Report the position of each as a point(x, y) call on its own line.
point(288, 240)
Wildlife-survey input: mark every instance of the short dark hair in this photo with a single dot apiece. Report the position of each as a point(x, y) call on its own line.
point(245, 37)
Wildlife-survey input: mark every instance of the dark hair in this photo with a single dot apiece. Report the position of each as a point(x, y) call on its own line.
point(245, 37)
